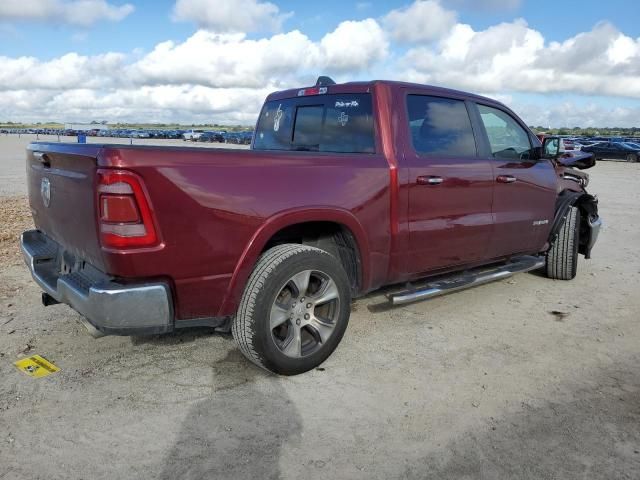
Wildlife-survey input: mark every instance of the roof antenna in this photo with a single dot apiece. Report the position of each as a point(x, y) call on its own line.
point(323, 81)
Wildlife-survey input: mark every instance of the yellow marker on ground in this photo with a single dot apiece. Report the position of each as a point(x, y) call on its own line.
point(36, 366)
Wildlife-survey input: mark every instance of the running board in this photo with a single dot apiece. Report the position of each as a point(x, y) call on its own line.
point(467, 279)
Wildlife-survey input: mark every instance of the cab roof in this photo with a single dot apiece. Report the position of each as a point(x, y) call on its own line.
point(367, 86)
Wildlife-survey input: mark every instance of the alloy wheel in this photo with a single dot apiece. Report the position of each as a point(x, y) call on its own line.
point(304, 313)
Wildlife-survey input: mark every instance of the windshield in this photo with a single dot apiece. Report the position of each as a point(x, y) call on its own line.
point(321, 123)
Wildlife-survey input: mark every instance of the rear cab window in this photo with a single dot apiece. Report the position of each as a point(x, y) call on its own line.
point(339, 123)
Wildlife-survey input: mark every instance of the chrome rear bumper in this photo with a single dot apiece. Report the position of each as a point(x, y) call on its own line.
point(111, 307)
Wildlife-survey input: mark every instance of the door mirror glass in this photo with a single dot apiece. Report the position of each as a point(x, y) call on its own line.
point(552, 147)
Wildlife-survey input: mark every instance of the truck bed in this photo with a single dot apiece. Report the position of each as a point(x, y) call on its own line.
point(208, 205)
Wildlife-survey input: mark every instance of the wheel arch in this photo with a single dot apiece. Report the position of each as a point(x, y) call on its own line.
point(267, 236)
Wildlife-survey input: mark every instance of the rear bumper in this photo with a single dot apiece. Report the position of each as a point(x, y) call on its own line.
point(111, 307)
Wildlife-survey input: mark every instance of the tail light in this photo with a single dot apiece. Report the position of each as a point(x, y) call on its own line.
point(125, 216)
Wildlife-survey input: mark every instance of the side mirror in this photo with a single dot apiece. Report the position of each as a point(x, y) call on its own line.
point(537, 153)
point(551, 147)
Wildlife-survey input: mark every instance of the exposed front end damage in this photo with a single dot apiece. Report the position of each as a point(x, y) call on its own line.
point(590, 221)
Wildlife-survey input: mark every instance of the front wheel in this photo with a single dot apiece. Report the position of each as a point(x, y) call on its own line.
point(632, 158)
point(294, 310)
point(562, 257)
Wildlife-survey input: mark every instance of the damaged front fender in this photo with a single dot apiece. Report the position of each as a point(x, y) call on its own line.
point(590, 221)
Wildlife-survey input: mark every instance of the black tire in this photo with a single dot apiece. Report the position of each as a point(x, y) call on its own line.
point(632, 158)
point(251, 327)
point(562, 257)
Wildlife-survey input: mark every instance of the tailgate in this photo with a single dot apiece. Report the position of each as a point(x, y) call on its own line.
point(61, 187)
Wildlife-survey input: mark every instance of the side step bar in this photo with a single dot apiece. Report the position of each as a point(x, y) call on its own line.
point(467, 279)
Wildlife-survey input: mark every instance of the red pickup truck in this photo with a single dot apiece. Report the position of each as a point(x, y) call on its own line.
point(346, 188)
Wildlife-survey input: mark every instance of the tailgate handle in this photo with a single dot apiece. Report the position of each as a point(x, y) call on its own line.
point(43, 158)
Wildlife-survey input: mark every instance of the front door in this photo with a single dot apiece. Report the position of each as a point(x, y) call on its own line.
point(450, 188)
point(525, 188)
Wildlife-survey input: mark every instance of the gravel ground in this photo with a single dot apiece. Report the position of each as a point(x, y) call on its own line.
point(485, 383)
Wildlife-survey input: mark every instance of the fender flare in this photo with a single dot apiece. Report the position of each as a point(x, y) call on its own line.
point(276, 223)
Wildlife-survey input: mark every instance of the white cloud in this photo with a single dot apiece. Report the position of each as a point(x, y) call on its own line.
point(485, 4)
point(166, 103)
point(422, 21)
point(573, 114)
point(514, 57)
point(66, 72)
point(207, 74)
point(82, 13)
point(353, 46)
point(232, 60)
point(224, 76)
point(226, 60)
point(224, 16)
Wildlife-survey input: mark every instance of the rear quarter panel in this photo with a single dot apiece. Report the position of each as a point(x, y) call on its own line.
point(216, 207)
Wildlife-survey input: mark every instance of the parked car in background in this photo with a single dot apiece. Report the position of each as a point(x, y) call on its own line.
point(192, 135)
point(614, 150)
point(218, 137)
point(207, 137)
point(238, 138)
point(140, 134)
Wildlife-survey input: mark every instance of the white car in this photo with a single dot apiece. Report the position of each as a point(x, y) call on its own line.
point(192, 135)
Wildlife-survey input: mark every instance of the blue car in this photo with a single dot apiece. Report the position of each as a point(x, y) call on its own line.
point(615, 150)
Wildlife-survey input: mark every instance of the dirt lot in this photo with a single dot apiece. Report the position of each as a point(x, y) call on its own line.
point(486, 383)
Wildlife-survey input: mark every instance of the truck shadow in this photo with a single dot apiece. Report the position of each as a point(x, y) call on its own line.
point(239, 431)
point(183, 335)
point(594, 435)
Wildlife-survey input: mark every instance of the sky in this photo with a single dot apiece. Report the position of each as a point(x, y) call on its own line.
point(556, 63)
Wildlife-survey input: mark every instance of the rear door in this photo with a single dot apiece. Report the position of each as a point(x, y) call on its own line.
point(525, 188)
point(450, 187)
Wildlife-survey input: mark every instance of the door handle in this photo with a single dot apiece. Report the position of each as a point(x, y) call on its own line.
point(506, 179)
point(429, 180)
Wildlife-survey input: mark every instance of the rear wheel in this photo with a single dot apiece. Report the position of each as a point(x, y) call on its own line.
point(294, 310)
point(632, 158)
point(562, 257)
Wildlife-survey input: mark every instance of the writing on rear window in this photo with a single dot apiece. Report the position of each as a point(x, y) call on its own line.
point(323, 123)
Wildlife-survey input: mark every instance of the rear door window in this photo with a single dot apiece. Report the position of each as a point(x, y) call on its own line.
point(322, 123)
point(440, 126)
